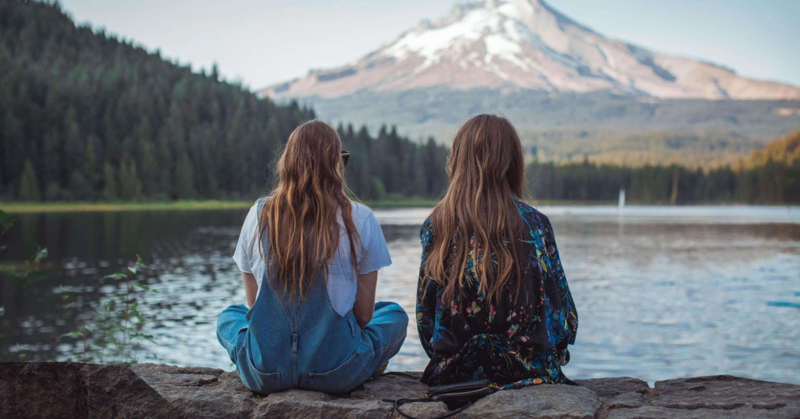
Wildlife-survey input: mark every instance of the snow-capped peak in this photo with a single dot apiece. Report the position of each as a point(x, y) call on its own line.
point(526, 44)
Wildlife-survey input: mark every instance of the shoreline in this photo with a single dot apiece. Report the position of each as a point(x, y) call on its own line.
point(19, 207)
point(16, 207)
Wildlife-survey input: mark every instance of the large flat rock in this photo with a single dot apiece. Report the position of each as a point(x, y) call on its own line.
point(69, 390)
point(721, 396)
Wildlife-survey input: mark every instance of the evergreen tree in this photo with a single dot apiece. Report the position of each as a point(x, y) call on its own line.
point(28, 184)
point(52, 192)
point(149, 167)
point(50, 157)
point(74, 147)
point(80, 188)
point(130, 187)
point(184, 178)
point(12, 152)
point(378, 190)
point(165, 180)
point(90, 168)
point(109, 183)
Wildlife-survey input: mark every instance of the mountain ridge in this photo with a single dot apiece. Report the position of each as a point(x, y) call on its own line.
point(525, 44)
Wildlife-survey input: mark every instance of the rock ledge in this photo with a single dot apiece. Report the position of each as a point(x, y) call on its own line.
point(69, 390)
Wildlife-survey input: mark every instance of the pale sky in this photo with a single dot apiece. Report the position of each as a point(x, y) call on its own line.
point(262, 42)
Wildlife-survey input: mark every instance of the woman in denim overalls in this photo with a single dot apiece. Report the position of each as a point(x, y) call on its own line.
point(309, 259)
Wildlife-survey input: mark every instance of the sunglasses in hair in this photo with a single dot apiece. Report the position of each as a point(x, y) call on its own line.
point(345, 156)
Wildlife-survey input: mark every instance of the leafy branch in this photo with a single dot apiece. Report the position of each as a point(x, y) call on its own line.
point(115, 333)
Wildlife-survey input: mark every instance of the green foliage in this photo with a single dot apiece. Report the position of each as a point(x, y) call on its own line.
point(5, 224)
point(28, 272)
point(28, 184)
point(115, 332)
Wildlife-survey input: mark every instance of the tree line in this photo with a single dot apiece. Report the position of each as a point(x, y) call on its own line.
point(86, 116)
point(770, 175)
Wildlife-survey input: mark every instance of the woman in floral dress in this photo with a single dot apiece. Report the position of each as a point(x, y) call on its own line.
point(492, 298)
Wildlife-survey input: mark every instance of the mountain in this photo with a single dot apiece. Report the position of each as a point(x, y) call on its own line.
point(526, 44)
point(570, 91)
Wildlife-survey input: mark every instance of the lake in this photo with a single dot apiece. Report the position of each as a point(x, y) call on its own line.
point(661, 292)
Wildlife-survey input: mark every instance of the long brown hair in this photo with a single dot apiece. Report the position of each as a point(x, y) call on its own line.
point(300, 216)
point(486, 170)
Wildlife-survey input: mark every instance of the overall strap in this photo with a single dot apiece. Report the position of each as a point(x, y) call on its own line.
point(262, 242)
point(259, 206)
point(292, 309)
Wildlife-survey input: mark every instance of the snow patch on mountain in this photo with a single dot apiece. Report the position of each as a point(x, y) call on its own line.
point(526, 44)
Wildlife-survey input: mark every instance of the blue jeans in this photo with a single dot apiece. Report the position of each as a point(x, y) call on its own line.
point(278, 345)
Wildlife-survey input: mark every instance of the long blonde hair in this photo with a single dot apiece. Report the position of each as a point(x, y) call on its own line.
point(477, 219)
point(300, 216)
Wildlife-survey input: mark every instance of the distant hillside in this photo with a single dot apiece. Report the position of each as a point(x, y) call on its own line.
point(563, 126)
point(784, 151)
point(86, 116)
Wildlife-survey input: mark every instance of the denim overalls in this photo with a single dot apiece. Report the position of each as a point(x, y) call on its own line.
point(281, 344)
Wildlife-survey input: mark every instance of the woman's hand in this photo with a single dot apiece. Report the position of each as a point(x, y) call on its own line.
point(250, 288)
point(364, 306)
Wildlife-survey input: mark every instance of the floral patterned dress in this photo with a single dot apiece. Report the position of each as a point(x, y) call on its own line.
point(514, 344)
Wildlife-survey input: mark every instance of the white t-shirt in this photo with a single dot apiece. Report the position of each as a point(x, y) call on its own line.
point(342, 277)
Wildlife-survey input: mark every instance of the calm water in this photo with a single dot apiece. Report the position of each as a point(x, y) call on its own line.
point(661, 292)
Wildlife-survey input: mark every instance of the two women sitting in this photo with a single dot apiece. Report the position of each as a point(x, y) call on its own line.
point(492, 298)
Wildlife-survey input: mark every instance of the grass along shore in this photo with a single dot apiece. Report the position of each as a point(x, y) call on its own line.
point(39, 207)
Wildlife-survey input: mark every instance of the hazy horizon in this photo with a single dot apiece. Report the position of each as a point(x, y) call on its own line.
point(266, 42)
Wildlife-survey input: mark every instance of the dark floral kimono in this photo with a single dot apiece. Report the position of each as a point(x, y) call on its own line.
point(514, 344)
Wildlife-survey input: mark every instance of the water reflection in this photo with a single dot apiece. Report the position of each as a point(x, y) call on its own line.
point(660, 292)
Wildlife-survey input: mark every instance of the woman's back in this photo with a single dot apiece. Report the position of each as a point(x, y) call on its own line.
point(286, 334)
point(309, 259)
point(492, 298)
point(371, 254)
point(523, 341)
